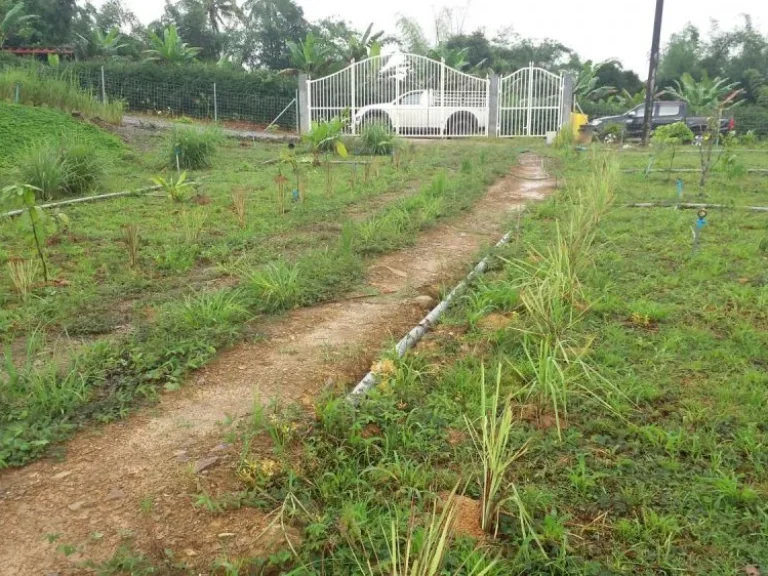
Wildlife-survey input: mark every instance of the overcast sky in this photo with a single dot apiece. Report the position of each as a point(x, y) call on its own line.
point(596, 29)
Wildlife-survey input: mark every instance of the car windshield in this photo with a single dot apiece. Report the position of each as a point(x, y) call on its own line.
point(411, 99)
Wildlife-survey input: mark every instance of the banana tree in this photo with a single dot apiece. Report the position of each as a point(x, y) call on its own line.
point(587, 82)
point(102, 44)
point(366, 45)
point(13, 20)
point(170, 48)
point(707, 94)
point(309, 55)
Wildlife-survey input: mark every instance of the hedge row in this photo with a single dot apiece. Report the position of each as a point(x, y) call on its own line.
point(188, 90)
point(753, 118)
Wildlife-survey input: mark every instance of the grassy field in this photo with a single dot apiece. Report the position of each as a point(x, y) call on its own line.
point(598, 399)
point(143, 288)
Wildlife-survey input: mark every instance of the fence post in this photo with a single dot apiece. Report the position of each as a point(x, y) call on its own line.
point(17, 96)
point(493, 107)
point(305, 103)
point(353, 88)
point(566, 105)
point(442, 97)
point(103, 88)
point(215, 105)
point(529, 104)
point(296, 113)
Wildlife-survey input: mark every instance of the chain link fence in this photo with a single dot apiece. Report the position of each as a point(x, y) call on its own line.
point(169, 100)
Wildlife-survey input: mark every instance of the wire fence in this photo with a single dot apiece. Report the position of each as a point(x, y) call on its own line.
point(169, 100)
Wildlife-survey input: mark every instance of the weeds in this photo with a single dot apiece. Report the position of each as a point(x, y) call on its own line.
point(239, 206)
point(274, 287)
point(23, 274)
point(192, 223)
point(132, 241)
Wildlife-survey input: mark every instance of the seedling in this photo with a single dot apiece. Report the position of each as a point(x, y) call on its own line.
point(175, 188)
point(24, 196)
point(132, 241)
point(280, 180)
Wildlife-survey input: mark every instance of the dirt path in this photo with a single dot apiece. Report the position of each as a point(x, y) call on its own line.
point(135, 479)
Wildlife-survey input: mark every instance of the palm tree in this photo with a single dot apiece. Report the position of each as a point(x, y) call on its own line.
point(13, 20)
point(309, 55)
point(217, 10)
point(705, 95)
point(170, 47)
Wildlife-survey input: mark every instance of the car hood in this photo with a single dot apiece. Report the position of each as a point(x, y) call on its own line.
point(607, 119)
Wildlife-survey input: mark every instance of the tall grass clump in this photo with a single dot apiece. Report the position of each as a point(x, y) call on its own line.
point(275, 287)
point(421, 550)
point(60, 168)
point(39, 87)
point(378, 139)
point(194, 147)
point(496, 455)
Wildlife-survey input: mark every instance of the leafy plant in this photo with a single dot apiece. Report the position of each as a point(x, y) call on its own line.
point(176, 188)
point(193, 148)
point(326, 137)
point(24, 197)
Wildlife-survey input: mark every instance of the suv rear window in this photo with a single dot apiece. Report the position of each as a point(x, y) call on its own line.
point(669, 109)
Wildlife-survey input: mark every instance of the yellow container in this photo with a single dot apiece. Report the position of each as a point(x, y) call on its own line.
point(577, 121)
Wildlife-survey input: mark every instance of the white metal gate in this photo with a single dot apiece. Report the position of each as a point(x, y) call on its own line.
point(530, 103)
point(411, 94)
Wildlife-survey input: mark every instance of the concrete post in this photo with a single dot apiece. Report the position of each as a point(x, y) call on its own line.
point(567, 104)
point(493, 107)
point(305, 120)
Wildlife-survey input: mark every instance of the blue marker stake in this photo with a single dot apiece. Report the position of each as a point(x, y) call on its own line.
point(295, 195)
point(701, 221)
point(679, 188)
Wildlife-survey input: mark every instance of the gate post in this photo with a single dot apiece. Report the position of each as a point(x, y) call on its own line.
point(352, 96)
point(442, 98)
point(305, 119)
point(566, 102)
point(529, 103)
point(493, 106)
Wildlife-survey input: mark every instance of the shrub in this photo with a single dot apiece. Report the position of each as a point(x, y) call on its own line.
point(677, 133)
point(85, 169)
point(377, 139)
point(195, 146)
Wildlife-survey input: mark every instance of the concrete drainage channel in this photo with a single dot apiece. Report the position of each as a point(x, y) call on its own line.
point(530, 168)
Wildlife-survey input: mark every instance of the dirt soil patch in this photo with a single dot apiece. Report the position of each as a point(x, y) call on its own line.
point(137, 479)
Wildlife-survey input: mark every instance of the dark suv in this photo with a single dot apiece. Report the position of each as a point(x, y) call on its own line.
point(664, 113)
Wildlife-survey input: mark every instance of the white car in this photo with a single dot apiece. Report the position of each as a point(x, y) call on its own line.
point(421, 112)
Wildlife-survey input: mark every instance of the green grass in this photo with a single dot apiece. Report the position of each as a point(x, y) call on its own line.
point(43, 87)
point(22, 126)
point(202, 276)
point(658, 465)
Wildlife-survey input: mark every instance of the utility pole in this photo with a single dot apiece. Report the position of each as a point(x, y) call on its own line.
point(650, 88)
